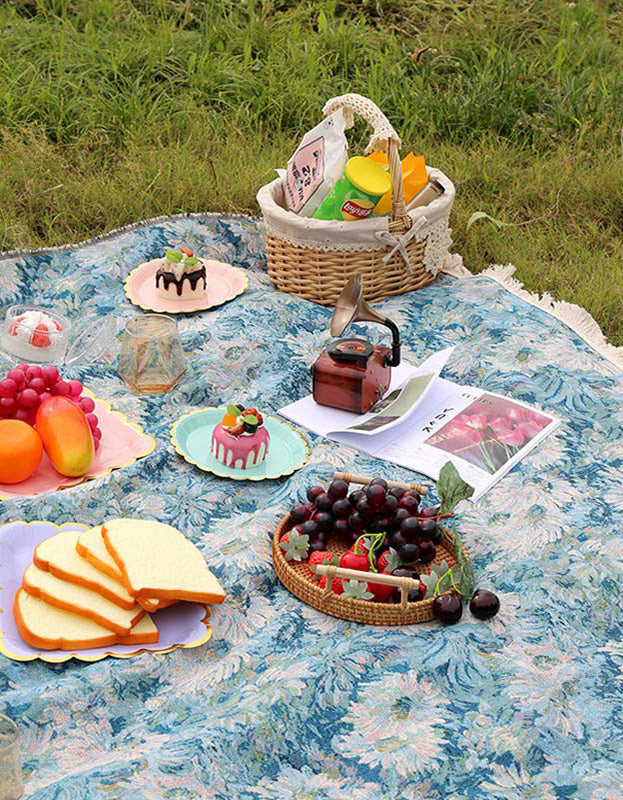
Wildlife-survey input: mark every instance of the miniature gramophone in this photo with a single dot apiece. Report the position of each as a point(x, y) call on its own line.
point(353, 374)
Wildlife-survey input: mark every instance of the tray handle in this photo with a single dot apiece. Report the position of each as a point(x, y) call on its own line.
point(351, 477)
point(383, 138)
point(331, 571)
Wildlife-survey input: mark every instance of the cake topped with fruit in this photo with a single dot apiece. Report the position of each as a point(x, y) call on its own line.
point(182, 275)
point(240, 440)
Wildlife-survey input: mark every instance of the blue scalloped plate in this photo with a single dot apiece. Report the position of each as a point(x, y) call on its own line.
point(191, 434)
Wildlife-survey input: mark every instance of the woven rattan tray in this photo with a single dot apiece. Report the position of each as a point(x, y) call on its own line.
point(297, 577)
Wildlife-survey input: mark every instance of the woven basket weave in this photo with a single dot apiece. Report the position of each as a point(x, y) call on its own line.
point(300, 265)
point(297, 577)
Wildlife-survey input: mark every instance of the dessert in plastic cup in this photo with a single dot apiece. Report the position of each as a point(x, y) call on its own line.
point(35, 334)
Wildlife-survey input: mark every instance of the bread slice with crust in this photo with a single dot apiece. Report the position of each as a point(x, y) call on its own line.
point(80, 600)
point(90, 545)
point(59, 556)
point(47, 627)
point(157, 560)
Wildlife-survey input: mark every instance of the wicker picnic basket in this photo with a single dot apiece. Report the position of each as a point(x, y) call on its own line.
point(297, 577)
point(314, 258)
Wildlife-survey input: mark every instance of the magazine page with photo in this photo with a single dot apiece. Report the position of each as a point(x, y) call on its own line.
point(490, 432)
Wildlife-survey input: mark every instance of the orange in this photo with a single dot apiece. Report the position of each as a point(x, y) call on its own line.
point(21, 450)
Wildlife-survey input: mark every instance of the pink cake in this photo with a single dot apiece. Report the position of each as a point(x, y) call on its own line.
point(240, 440)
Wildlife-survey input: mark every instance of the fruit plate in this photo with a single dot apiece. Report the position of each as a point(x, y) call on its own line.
point(297, 578)
point(191, 435)
point(180, 625)
point(224, 283)
point(122, 443)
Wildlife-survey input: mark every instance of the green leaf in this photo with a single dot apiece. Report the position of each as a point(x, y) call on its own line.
point(251, 419)
point(429, 581)
point(393, 560)
point(496, 223)
point(191, 261)
point(173, 255)
point(356, 589)
point(296, 547)
point(231, 409)
point(451, 488)
point(467, 580)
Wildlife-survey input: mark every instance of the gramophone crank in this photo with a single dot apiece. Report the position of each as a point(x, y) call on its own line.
point(352, 374)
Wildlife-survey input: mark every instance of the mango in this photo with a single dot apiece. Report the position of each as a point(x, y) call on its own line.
point(66, 435)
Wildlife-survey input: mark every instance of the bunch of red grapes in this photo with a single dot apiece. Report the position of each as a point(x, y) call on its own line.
point(27, 386)
point(410, 529)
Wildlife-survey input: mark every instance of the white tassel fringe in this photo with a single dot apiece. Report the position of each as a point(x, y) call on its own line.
point(575, 317)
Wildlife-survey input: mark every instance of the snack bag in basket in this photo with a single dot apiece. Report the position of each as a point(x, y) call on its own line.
point(316, 165)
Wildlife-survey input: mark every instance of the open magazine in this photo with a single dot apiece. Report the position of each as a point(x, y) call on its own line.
point(424, 421)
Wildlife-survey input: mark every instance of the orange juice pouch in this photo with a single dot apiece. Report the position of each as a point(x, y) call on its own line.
point(414, 179)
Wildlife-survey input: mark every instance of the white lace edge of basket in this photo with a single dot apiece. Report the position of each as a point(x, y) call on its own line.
point(578, 319)
point(438, 235)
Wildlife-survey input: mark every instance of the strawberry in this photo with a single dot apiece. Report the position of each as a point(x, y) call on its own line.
point(319, 557)
point(13, 328)
point(238, 430)
point(295, 545)
point(40, 337)
point(381, 591)
point(388, 560)
point(337, 586)
point(187, 251)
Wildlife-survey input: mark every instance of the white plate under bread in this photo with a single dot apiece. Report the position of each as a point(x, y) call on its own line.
point(91, 588)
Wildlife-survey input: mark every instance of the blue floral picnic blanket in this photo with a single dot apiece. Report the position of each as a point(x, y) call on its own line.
point(285, 702)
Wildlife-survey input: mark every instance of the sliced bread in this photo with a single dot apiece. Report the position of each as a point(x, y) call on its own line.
point(80, 600)
point(59, 556)
point(157, 560)
point(47, 627)
point(90, 545)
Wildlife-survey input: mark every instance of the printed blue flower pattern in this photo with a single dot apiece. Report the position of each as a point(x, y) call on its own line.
point(285, 702)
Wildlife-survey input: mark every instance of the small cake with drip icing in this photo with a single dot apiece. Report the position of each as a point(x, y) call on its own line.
point(181, 276)
point(240, 440)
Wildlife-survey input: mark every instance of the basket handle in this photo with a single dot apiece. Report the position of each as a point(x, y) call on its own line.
point(331, 571)
point(350, 477)
point(383, 138)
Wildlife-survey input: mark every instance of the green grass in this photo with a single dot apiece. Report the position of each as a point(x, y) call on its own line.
point(117, 110)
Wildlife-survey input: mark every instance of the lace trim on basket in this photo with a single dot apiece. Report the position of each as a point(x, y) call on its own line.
point(437, 246)
point(325, 247)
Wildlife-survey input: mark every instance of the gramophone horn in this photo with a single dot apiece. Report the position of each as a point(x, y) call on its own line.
point(351, 307)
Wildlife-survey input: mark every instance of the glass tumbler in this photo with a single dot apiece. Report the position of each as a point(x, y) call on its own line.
point(11, 786)
point(151, 360)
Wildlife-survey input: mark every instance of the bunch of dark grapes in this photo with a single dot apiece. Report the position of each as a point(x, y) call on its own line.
point(27, 386)
point(376, 508)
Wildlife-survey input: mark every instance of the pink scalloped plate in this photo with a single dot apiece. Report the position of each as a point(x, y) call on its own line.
point(224, 283)
point(180, 625)
point(122, 444)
